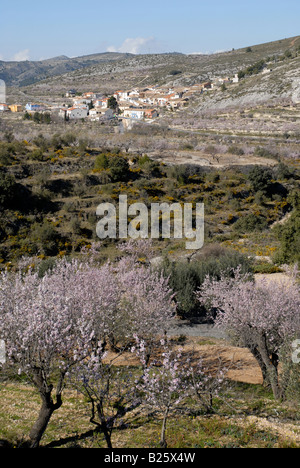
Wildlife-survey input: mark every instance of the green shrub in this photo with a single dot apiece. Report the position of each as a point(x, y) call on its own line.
point(250, 223)
point(46, 266)
point(37, 155)
point(261, 179)
point(143, 160)
point(236, 150)
point(45, 238)
point(187, 277)
point(289, 235)
point(7, 189)
point(101, 162)
point(119, 168)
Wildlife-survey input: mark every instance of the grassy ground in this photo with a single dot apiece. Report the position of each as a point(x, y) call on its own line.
point(246, 416)
point(70, 426)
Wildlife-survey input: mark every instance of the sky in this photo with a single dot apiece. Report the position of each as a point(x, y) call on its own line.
point(37, 30)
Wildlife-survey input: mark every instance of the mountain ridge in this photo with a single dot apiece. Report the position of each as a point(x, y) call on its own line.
point(28, 72)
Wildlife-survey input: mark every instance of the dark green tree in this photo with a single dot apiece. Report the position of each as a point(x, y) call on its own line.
point(261, 179)
point(289, 234)
point(119, 168)
point(112, 103)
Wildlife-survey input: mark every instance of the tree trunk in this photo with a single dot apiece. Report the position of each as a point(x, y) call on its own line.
point(271, 366)
point(48, 406)
point(163, 442)
point(46, 411)
point(104, 426)
point(107, 435)
point(262, 366)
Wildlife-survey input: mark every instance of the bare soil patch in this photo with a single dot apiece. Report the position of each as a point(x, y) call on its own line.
point(239, 362)
point(217, 161)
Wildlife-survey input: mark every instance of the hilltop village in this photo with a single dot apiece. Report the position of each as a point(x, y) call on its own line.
point(135, 104)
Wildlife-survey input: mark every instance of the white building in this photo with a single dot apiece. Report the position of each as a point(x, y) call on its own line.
point(122, 95)
point(101, 103)
point(134, 113)
point(77, 113)
point(99, 114)
point(82, 102)
point(3, 107)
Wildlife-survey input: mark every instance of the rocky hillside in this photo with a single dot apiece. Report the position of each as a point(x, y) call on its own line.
point(110, 71)
point(28, 72)
point(280, 83)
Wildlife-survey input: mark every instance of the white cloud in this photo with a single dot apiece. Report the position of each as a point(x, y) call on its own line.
point(199, 53)
point(210, 52)
point(137, 45)
point(21, 56)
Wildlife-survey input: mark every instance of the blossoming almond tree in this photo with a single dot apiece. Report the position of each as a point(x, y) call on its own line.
point(71, 313)
point(164, 383)
point(172, 377)
point(52, 323)
point(262, 317)
point(146, 301)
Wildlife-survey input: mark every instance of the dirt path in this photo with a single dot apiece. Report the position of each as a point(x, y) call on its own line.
point(215, 353)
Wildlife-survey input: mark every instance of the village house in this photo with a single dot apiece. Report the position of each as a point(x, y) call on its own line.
point(4, 107)
point(150, 113)
point(15, 108)
point(62, 112)
point(135, 102)
point(134, 113)
point(30, 107)
point(100, 114)
point(122, 105)
point(101, 103)
point(148, 98)
point(206, 85)
point(134, 93)
point(177, 95)
point(89, 95)
point(177, 103)
point(121, 95)
point(79, 102)
point(76, 113)
point(71, 93)
point(98, 101)
point(162, 101)
point(140, 113)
